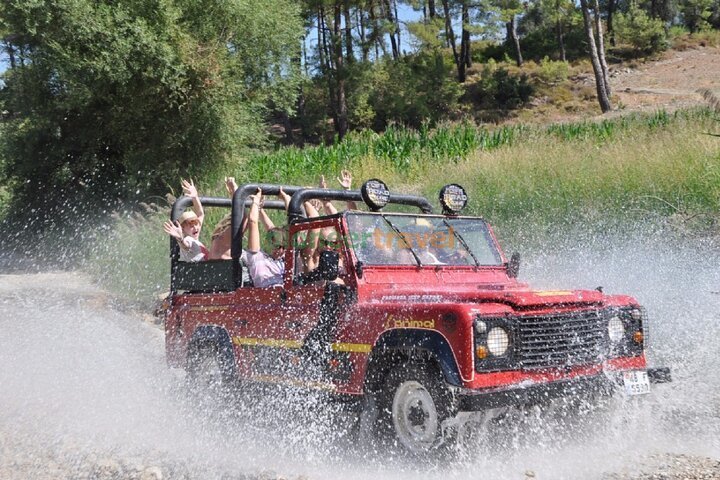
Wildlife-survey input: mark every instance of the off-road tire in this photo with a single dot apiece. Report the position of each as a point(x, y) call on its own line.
point(413, 405)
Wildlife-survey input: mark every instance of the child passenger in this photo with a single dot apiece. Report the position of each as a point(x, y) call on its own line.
point(186, 229)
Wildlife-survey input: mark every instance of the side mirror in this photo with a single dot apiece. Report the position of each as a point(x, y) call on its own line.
point(328, 265)
point(513, 267)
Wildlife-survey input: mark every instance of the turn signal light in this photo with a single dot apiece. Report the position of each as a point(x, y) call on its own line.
point(638, 337)
point(481, 352)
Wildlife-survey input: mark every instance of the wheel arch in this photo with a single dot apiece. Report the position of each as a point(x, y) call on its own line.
point(402, 345)
point(215, 336)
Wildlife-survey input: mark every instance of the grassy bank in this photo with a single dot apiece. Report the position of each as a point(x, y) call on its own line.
point(656, 163)
point(530, 182)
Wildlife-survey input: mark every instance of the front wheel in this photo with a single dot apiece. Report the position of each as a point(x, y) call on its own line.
point(415, 409)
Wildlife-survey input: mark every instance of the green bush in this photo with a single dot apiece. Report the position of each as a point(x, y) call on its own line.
point(643, 33)
point(551, 71)
point(417, 88)
point(498, 88)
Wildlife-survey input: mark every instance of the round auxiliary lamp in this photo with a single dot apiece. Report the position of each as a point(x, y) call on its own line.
point(453, 199)
point(375, 194)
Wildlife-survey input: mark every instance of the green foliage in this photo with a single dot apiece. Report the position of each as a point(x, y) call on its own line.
point(638, 29)
point(427, 33)
point(415, 89)
point(696, 14)
point(114, 98)
point(550, 71)
point(498, 88)
point(607, 129)
point(682, 39)
point(400, 150)
point(540, 25)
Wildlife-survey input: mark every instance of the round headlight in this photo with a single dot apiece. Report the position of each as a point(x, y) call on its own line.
point(616, 330)
point(498, 341)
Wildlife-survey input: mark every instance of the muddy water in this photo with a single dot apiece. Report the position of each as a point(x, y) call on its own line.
point(84, 390)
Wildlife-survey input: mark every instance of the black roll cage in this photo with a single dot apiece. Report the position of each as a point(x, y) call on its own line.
point(296, 213)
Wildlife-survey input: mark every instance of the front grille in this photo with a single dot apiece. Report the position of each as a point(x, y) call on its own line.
point(578, 338)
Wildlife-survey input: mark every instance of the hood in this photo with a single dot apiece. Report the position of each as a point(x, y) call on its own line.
point(528, 298)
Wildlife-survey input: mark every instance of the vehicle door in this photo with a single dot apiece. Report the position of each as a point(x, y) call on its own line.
point(303, 320)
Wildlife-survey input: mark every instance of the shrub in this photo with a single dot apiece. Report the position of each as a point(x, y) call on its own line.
point(498, 88)
point(636, 28)
point(413, 90)
point(551, 71)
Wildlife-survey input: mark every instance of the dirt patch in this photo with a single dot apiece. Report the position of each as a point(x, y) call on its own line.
point(673, 82)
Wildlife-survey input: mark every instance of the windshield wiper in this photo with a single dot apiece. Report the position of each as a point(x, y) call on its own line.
point(462, 242)
point(402, 237)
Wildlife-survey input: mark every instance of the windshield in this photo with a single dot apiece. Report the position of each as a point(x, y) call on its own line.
point(413, 240)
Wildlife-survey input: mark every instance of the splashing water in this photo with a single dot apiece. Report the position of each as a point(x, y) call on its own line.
point(82, 385)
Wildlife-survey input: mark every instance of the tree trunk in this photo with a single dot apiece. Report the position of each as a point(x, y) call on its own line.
point(348, 32)
point(561, 40)
point(320, 39)
point(363, 39)
point(431, 9)
point(377, 36)
point(11, 54)
point(391, 20)
point(397, 27)
point(610, 11)
point(341, 126)
point(601, 48)
point(513, 39)
point(465, 38)
point(559, 31)
point(449, 34)
point(603, 97)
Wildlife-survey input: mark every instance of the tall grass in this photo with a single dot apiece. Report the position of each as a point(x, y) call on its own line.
point(399, 149)
point(133, 260)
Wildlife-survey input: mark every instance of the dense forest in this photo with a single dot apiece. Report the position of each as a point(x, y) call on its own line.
point(116, 100)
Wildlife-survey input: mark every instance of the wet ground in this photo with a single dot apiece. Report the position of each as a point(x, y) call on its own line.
point(85, 392)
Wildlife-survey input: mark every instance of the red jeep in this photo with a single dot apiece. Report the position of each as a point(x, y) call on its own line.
point(420, 312)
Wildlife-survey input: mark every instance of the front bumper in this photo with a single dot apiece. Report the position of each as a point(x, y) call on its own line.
point(536, 393)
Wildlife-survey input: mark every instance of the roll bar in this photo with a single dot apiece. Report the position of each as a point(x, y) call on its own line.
point(295, 212)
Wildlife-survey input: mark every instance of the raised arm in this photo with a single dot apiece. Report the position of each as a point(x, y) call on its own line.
point(175, 231)
point(190, 191)
point(310, 243)
point(230, 186)
point(254, 228)
point(265, 218)
point(285, 198)
point(345, 180)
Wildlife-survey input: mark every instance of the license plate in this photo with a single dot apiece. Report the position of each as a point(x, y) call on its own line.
point(636, 382)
